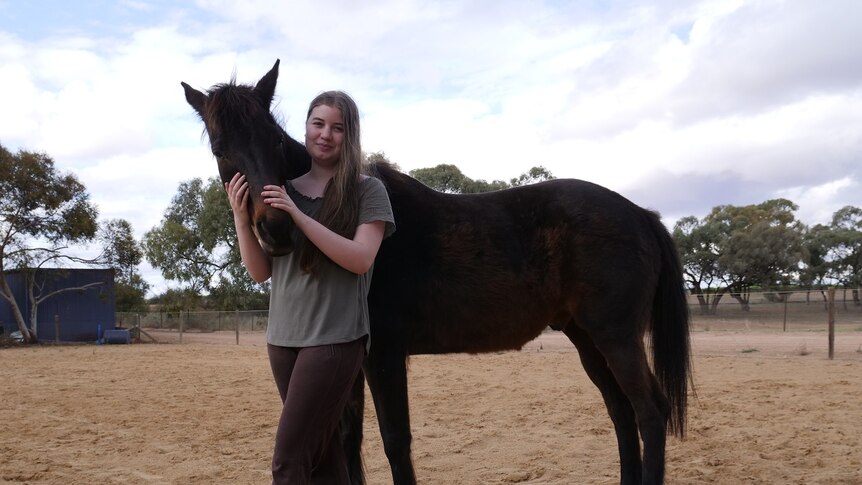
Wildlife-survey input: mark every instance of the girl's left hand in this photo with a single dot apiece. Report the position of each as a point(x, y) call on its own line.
point(277, 197)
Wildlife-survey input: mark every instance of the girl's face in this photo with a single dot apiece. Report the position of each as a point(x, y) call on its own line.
point(324, 134)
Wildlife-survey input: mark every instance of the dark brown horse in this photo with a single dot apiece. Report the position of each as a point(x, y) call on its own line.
point(488, 272)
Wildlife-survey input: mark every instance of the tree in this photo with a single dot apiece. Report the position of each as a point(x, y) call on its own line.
point(742, 247)
point(196, 245)
point(176, 247)
point(449, 179)
point(445, 178)
point(847, 244)
point(698, 250)
point(532, 176)
point(818, 266)
point(42, 213)
point(174, 301)
point(124, 254)
point(763, 247)
point(478, 186)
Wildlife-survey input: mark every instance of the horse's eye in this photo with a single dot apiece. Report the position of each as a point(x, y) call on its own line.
point(219, 155)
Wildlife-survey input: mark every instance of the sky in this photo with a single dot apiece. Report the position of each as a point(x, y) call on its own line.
point(680, 106)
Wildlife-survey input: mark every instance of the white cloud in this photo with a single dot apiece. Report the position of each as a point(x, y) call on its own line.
point(818, 203)
point(682, 107)
point(765, 54)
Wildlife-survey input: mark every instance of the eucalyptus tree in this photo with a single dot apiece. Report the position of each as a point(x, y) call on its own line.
point(124, 253)
point(195, 244)
point(847, 232)
point(532, 176)
point(736, 248)
point(44, 213)
point(448, 178)
point(698, 245)
point(763, 246)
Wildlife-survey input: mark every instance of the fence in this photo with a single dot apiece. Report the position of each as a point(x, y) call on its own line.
point(766, 311)
point(201, 321)
point(786, 311)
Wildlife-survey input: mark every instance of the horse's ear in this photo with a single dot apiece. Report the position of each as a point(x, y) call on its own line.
point(265, 88)
point(195, 98)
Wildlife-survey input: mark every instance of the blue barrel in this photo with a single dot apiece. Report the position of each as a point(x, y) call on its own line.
point(117, 336)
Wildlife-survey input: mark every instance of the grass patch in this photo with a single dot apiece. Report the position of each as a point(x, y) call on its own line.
point(749, 350)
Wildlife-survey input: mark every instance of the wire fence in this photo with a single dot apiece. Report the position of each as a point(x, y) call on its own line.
point(201, 321)
point(774, 311)
point(764, 311)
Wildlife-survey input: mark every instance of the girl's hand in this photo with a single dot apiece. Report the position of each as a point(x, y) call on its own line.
point(237, 195)
point(277, 197)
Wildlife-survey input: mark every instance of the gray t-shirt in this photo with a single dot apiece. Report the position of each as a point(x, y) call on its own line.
point(332, 306)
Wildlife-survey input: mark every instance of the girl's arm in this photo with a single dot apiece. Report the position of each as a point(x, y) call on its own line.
point(355, 255)
point(256, 261)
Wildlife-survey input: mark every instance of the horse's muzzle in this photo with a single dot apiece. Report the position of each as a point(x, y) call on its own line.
point(275, 234)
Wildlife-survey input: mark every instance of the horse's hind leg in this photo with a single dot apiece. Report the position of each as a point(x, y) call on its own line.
point(386, 371)
point(619, 407)
point(626, 359)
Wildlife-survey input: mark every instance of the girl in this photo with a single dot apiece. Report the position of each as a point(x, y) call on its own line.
point(318, 329)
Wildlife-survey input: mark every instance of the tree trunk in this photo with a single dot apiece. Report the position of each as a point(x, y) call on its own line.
point(703, 304)
point(6, 293)
point(33, 322)
point(743, 301)
point(702, 300)
point(714, 306)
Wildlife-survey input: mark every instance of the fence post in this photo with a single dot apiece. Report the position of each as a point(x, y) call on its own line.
point(182, 320)
point(56, 329)
point(236, 319)
point(831, 323)
point(786, 297)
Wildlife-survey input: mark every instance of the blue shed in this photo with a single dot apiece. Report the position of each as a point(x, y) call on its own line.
point(81, 313)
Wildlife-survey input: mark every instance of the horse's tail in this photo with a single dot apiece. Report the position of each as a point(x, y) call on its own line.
point(671, 348)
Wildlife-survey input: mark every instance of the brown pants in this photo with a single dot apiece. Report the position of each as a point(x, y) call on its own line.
point(314, 384)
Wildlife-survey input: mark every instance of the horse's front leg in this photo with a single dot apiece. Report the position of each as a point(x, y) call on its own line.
point(386, 372)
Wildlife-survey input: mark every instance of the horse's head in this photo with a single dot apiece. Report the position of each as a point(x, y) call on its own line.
point(245, 137)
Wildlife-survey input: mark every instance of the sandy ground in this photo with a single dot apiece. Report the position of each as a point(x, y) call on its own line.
point(770, 408)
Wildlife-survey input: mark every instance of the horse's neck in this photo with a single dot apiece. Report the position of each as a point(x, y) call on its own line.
point(298, 159)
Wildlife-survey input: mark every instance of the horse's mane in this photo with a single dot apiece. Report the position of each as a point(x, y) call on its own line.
point(232, 106)
point(376, 167)
point(385, 171)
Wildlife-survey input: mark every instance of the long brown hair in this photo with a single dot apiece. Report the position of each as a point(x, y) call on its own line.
point(340, 209)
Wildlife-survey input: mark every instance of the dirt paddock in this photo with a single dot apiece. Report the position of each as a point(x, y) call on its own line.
point(770, 408)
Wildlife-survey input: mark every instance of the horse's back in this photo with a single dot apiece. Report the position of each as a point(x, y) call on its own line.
point(513, 260)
